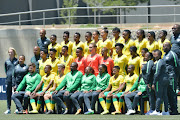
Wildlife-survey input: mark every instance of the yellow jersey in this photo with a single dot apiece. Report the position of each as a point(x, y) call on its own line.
point(46, 81)
point(86, 48)
point(122, 63)
point(140, 45)
point(107, 43)
point(59, 79)
point(54, 65)
point(42, 66)
point(57, 46)
point(75, 46)
point(160, 43)
point(153, 46)
point(127, 46)
point(116, 82)
point(136, 62)
point(67, 62)
point(114, 43)
point(130, 80)
point(70, 46)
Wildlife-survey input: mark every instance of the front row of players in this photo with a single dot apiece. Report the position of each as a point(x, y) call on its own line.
point(76, 88)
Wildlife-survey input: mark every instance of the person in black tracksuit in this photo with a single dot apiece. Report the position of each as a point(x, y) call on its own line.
point(172, 66)
point(147, 75)
point(160, 83)
point(9, 68)
point(19, 72)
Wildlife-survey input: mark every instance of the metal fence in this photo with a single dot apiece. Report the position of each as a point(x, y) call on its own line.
point(118, 15)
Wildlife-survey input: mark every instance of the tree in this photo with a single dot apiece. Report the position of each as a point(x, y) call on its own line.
point(69, 12)
point(101, 3)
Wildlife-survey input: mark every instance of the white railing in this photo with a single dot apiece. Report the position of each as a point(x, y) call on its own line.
point(119, 15)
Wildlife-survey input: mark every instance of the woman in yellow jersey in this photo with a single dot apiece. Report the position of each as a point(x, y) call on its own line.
point(117, 39)
point(134, 59)
point(121, 59)
point(128, 82)
point(54, 45)
point(141, 41)
point(43, 62)
point(162, 40)
point(152, 44)
point(48, 96)
point(127, 42)
point(77, 44)
point(105, 42)
point(53, 61)
point(67, 42)
point(96, 39)
point(88, 37)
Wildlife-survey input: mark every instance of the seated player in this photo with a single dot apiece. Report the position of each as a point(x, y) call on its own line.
point(93, 60)
point(141, 41)
point(77, 43)
point(72, 81)
point(66, 59)
point(129, 80)
point(87, 84)
point(127, 42)
point(117, 39)
point(115, 81)
point(66, 42)
point(162, 40)
point(140, 89)
point(152, 44)
point(53, 61)
point(134, 59)
point(102, 81)
point(30, 80)
point(121, 59)
point(46, 84)
point(105, 42)
point(48, 95)
point(43, 62)
point(81, 60)
point(88, 39)
point(108, 61)
point(54, 45)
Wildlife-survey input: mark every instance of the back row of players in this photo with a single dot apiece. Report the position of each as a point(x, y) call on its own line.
point(121, 54)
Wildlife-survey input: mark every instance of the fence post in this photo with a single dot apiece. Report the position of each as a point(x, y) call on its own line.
point(147, 20)
point(44, 19)
point(117, 16)
point(120, 16)
point(174, 14)
point(95, 16)
point(19, 20)
point(69, 14)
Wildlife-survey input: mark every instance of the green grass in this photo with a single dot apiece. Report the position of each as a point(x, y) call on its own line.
point(89, 26)
point(13, 116)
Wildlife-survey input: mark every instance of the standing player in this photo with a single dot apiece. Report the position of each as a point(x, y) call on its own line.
point(36, 57)
point(95, 36)
point(152, 44)
point(46, 84)
point(43, 41)
point(9, 68)
point(88, 37)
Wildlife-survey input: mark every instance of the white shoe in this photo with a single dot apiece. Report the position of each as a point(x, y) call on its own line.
point(165, 113)
point(129, 112)
point(155, 113)
point(15, 111)
point(7, 112)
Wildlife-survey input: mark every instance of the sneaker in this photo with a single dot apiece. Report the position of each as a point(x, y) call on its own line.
point(116, 112)
point(150, 111)
point(105, 112)
point(155, 113)
point(65, 111)
point(130, 112)
point(78, 111)
point(7, 112)
point(33, 112)
point(15, 111)
point(19, 112)
point(89, 112)
point(50, 112)
point(165, 113)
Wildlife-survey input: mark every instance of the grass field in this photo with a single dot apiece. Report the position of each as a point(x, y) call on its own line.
point(13, 116)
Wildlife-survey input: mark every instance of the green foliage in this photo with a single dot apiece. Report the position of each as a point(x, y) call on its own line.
point(89, 26)
point(176, 2)
point(69, 12)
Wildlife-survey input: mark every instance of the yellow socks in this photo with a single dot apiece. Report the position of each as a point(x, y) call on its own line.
point(48, 104)
point(33, 104)
point(103, 104)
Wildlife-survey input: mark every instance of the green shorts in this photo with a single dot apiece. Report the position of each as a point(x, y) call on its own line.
point(45, 92)
point(106, 93)
point(119, 94)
